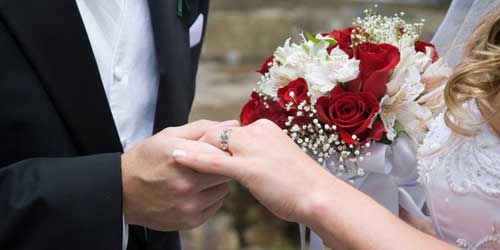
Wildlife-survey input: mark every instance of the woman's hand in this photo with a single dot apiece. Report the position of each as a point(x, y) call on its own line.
point(265, 160)
point(295, 188)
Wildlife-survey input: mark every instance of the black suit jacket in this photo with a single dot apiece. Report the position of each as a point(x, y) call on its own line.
point(60, 179)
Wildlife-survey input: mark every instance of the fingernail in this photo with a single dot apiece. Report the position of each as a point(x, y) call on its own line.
point(179, 153)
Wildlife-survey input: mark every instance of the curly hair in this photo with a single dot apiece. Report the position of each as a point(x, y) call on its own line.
point(477, 77)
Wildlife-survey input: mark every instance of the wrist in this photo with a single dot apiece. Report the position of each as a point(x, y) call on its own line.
point(319, 208)
point(128, 215)
point(319, 200)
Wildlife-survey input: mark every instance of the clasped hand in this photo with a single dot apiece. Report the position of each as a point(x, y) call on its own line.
point(162, 194)
point(178, 178)
point(266, 161)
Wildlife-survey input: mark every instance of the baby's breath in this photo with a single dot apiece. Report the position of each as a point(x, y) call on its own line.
point(323, 142)
point(375, 28)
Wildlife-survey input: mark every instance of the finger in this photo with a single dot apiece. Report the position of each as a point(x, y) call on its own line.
point(199, 147)
point(220, 127)
point(195, 130)
point(207, 181)
point(212, 210)
point(213, 137)
point(208, 163)
point(202, 180)
point(212, 195)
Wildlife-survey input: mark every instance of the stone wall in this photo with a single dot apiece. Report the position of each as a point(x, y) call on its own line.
point(240, 35)
point(251, 30)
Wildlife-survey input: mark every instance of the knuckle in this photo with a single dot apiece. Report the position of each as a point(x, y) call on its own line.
point(267, 124)
point(169, 131)
point(263, 122)
point(211, 136)
point(202, 123)
point(236, 133)
point(187, 209)
point(257, 129)
point(216, 161)
point(183, 187)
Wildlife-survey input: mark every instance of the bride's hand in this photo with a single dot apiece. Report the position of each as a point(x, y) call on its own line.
point(295, 188)
point(265, 160)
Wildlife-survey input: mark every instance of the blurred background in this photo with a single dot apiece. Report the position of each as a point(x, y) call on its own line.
point(241, 34)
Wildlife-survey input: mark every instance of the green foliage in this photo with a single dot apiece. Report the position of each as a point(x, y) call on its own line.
point(399, 127)
point(313, 39)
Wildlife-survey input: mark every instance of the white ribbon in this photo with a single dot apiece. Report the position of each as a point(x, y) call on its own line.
point(391, 179)
point(392, 176)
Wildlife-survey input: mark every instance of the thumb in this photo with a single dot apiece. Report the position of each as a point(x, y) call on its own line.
point(216, 164)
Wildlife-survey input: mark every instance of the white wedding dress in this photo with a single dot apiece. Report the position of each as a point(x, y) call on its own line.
point(462, 176)
point(462, 182)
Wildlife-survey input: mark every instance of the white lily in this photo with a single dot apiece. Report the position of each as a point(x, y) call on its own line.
point(400, 105)
point(411, 58)
point(435, 78)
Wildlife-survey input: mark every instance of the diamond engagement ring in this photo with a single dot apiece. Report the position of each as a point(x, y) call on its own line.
point(224, 138)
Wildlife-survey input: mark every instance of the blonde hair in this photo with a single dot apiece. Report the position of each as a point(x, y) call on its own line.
point(476, 77)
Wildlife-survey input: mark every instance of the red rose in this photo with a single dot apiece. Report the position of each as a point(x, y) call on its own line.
point(299, 90)
point(256, 109)
point(352, 113)
point(265, 66)
point(376, 63)
point(421, 46)
point(343, 38)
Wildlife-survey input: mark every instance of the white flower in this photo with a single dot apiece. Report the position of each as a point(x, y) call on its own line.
point(292, 54)
point(345, 69)
point(316, 50)
point(278, 76)
point(434, 100)
point(435, 78)
point(291, 61)
point(415, 119)
point(399, 104)
point(409, 58)
point(405, 42)
point(318, 76)
point(323, 75)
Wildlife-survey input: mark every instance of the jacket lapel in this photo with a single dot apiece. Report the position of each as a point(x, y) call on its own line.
point(54, 39)
point(174, 60)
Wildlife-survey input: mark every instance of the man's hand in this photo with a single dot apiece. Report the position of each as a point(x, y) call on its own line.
point(162, 195)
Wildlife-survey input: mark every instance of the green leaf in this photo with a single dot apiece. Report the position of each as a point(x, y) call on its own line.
point(305, 48)
point(385, 140)
point(399, 127)
point(331, 41)
point(311, 38)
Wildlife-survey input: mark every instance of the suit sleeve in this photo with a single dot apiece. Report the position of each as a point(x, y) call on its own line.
point(49, 203)
point(66, 203)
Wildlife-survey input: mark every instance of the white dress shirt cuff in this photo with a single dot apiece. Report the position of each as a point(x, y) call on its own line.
point(125, 235)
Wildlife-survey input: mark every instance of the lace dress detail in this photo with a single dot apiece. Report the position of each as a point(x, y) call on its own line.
point(461, 176)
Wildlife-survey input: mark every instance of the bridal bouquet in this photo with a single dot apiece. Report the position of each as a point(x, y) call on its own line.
point(337, 93)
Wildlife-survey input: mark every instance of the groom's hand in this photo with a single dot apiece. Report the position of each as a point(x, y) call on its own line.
point(162, 195)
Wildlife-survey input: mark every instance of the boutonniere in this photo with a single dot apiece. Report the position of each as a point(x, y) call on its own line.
point(180, 7)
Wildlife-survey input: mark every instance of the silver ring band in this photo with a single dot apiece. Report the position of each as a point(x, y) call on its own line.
point(224, 139)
